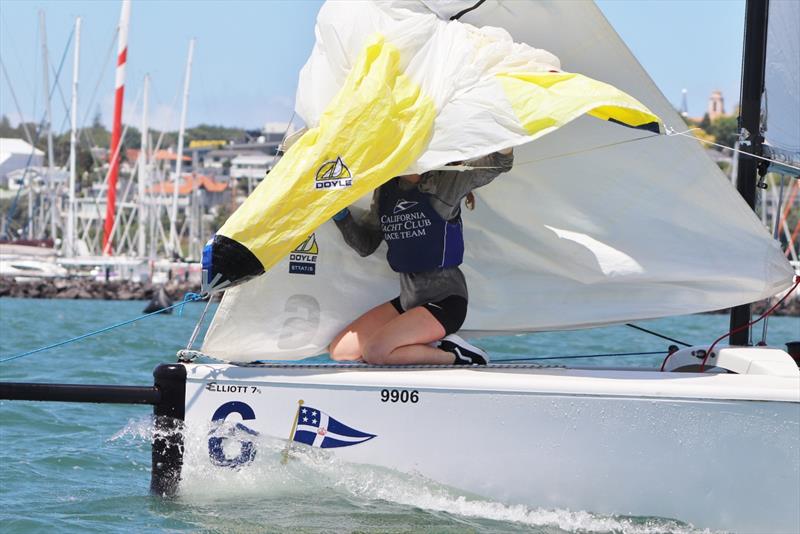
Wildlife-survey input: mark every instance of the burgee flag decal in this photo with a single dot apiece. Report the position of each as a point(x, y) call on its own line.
point(318, 429)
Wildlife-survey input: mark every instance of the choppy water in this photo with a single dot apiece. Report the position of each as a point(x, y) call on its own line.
point(85, 468)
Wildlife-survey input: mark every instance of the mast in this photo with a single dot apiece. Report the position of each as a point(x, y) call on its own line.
point(122, 57)
point(31, 221)
point(753, 64)
point(73, 139)
point(49, 108)
point(143, 172)
point(173, 235)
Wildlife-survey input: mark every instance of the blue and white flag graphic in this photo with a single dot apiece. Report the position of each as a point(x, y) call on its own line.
point(318, 429)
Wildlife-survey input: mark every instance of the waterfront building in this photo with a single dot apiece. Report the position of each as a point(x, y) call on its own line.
point(716, 105)
point(16, 154)
point(210, 192)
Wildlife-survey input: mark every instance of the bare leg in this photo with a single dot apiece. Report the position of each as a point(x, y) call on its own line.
point(347, 345)
point(404, 341)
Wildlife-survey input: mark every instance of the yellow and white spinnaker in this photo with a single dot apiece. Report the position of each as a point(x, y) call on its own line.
point(595, 224)
point(390, 90)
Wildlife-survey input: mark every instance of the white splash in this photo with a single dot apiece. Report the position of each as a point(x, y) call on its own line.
point(318, 472)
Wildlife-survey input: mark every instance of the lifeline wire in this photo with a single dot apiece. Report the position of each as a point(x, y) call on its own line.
point(658, 335)
point(189, 355)
point(671, 132)
point(554, 156)
point(106, 329)
point(579, 356)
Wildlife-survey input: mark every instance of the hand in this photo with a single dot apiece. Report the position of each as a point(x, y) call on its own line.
point(341, 215)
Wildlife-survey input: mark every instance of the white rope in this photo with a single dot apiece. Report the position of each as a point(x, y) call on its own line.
point(288, 127)
point(462, 167)
point(671, 132)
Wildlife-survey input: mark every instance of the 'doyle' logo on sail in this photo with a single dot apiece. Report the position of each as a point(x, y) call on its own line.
point(333, 174)
point(303, 259)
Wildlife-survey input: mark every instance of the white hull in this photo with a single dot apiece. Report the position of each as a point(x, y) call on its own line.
point(24, 269)
point(720, 451)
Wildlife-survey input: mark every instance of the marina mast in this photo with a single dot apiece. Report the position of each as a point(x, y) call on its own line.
point(48, 107)
point(174, 239)
point(143, 172)
point(73, 140)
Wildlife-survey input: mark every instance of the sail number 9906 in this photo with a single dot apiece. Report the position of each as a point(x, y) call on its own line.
point(399, 395)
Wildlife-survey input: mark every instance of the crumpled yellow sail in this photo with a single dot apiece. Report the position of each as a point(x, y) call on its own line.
point(544, 101)
point(376, 127)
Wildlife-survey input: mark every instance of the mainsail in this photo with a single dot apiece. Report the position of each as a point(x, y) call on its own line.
point(596, 223)
point(782, 85)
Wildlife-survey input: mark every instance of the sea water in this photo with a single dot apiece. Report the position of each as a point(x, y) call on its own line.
point(86, 467)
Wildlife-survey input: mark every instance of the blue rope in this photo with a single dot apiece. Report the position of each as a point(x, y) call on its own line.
point(187, 298)
point(581, 356)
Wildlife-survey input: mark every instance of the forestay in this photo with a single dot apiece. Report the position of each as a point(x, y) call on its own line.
point(782, 85)
point(596, 223)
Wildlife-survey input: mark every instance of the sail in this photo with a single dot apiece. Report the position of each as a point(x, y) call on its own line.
point(390, 91)
point(595, 224)
point(782, 85)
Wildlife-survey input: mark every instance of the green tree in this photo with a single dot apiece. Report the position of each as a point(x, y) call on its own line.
point(725, 130)
point(18, 132)
point(210, 132)
point(5, 126)
point(224, 211)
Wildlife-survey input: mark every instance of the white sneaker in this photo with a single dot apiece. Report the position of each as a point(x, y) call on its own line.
point(465, 353)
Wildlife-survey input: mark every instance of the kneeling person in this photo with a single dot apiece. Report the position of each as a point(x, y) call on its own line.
point(419, 217)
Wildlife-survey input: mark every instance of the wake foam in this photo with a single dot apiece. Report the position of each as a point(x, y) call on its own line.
point(309, 472)
point(317, 472)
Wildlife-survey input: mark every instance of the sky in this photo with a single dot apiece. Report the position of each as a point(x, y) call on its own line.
point(248, 54)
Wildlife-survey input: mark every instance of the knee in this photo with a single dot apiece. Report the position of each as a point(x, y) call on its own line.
point(338, 352)
point(335, 355)
point(376, 352)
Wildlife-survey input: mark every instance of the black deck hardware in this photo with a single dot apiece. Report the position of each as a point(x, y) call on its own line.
point(167, 396)
point(79, 393)
point(167, 459)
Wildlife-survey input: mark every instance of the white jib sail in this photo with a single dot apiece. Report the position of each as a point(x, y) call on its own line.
point(782, 84)
point(596, 224)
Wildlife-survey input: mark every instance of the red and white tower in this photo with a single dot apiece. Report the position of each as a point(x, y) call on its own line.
point(116, 131)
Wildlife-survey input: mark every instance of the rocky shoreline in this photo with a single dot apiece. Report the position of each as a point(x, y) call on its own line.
point(82, 288)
